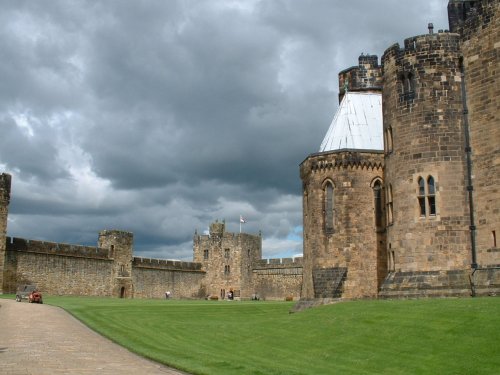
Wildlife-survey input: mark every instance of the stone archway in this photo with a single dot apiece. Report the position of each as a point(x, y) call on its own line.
point(122, 292)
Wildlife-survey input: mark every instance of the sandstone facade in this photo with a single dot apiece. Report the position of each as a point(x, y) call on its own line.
point(439, 172)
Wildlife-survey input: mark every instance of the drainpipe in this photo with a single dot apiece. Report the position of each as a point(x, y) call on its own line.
point(470, 188)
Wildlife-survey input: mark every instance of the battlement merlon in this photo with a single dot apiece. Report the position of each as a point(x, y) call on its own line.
point(459, 11)
point(53, 248)
point(5, 184)
point(165, 264)
point(468, 17)
point(366, 76)
point(421, 45)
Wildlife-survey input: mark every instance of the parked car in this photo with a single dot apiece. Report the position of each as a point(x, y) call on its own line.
point(29, 292)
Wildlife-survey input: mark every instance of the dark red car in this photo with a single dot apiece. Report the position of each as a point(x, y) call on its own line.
point(35, 297)
point(29, 292)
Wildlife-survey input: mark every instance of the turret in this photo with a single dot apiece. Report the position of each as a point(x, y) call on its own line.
point(367, 76)
point(120, 249)
point(5, 183)
point(424, 155)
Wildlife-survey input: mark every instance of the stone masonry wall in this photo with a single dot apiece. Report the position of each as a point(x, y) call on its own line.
point(63, 269)
point(353, 244)
point(276, 279)
point(153, 277)
point(423, 112)
point(71, 270)
point(481, 56)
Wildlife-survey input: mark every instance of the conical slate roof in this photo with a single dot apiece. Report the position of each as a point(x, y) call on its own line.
point(357, 124)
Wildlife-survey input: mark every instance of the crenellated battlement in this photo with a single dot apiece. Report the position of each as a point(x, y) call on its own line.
point(227, 236)
point(164, 264)
point(467, 17)
point(421, 47)
point(279, 262)
point(53, 248)
point(366, 76)
point(476, 15)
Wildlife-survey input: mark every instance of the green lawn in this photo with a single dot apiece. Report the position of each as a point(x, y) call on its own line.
point(430, 336)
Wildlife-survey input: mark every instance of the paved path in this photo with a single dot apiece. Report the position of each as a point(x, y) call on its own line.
point(45, 340)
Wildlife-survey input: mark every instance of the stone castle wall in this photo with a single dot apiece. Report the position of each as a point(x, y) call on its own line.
point(480, 30)
point(153, 277)
point(275, 279)
point(63, 269)
point(110, 269)
point(57, 269)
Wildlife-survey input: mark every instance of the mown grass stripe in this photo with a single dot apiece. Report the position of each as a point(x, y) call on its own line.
point(432, 336)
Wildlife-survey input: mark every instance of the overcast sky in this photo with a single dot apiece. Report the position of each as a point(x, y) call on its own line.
point(159, 117)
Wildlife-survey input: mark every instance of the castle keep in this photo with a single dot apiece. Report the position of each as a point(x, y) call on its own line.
point(401, 200)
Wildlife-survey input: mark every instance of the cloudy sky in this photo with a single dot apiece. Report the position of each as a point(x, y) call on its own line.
point(159, 117)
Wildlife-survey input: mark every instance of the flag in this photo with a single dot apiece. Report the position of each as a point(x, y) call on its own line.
point(242, 220)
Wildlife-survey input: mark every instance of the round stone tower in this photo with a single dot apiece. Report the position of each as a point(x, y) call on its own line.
point(426, 201)
point(120, 248)
point(344, 231)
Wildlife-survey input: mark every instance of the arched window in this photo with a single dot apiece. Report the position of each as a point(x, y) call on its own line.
point(389, 139)
point(378, 204)
point(407, 86)
point(410, 83)
point(426, 196)
point(401, 83)
point(421, 196)
point(329, 208)
point(389, 205)
point(431, 196)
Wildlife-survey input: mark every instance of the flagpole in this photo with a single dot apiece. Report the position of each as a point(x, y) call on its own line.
point(242, 221)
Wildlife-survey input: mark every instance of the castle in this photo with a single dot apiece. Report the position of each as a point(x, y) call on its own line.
point(401, 200)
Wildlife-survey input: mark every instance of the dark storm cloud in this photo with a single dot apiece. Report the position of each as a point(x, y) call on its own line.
point(159, 117)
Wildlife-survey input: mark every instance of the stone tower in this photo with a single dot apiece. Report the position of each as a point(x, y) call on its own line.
point(478, 24)
point(120, 248)
point(344, 233)
point(5, 181)
point(426, 201)
point(228, 259)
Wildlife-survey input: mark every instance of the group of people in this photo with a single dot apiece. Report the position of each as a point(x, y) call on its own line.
point(230, 295)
